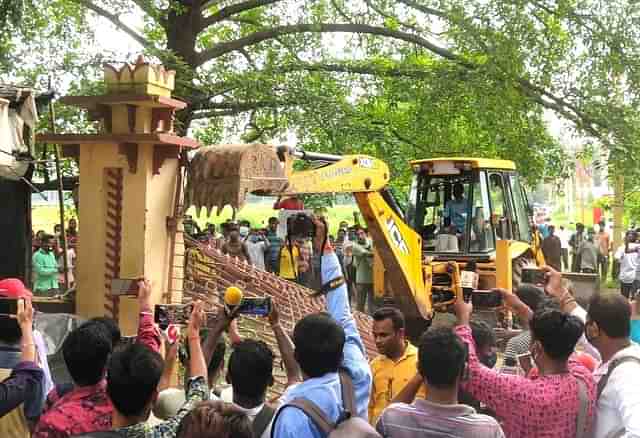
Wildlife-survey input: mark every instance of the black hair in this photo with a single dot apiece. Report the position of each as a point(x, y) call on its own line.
point(10, 331)
point(133, 375)
point(215, 419)
point(319, 341)
point(531, 295)
point(441, 357)
point(482, 334)
point(612, 314)
point(112, 327)
point(272, 219)
point(579, 227)
point(46, 237)
point(251, 368)
point(551, 229)
point(388, 312)
point(557, 332)
point(86, 351)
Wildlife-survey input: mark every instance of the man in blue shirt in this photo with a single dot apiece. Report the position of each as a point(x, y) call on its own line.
point(323, 343)
point(457, 209)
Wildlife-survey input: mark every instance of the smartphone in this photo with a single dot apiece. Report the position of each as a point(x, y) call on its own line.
point(525, 362)
point(255, 306)
point(124, 286)
point(533, 276)
point(8, 306)
point(487, 300)
point(176, 314)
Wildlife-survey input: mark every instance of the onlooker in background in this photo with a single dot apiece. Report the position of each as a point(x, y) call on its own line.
point(132, 380)
point(21, 390)
point(71, 264)
point(519, 345)
point(215, 419)
point(396, 363)
point(627, 257)
point(563, 234)
point(86, 407)
point(575, 242)
point(257, 244)
point(552, 249)
point(442, 366)
point(588, 253)
point(235, 247)
point(244, 228)
point(72, 230)
point(45, 267)
point(272, 261)
point(290, 258)
point(290, 203)
point(349, 268)
point(37, 240)
point(607, 329)
point(325, 343)
point(363, 262)
point(548, 406)
point(338, 245)
point(190, 226)
point(604, 247)
point(544, 228)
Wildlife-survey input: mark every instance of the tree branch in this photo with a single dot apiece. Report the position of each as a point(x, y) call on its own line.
point(113, 18)
point(264, 35)
point(234, 9)
point(424, 9)
point(152, 12)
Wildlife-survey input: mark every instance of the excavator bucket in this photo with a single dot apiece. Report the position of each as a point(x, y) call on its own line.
point(225, 174)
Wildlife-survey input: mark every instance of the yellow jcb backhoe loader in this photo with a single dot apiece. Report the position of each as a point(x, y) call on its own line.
point(459, 210)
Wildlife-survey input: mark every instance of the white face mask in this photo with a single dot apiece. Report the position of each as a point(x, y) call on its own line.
point(244, 231)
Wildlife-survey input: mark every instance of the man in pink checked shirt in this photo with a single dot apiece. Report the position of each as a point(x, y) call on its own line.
point(559, 403)
point(87, 408)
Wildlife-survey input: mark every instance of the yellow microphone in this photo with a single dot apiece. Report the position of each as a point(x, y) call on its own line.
point(232, 299)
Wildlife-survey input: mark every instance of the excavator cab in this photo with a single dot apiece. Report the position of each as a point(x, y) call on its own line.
point(463, 206)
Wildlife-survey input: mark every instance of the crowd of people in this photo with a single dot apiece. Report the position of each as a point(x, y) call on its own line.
point(49, 274)
point(592, 252)
point(268, 249)
point(448, 384)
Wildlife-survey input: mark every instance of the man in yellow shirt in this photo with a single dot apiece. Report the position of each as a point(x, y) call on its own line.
point(397, 363)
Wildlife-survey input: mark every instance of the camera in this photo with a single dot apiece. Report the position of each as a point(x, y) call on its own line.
point(301, 225)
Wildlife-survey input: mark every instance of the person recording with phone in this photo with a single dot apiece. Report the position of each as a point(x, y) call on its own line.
point(14, 337)
point(23, 382)
point(563, 383)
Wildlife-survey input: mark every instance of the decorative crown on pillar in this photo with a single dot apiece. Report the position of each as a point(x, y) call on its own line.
point(141, 77)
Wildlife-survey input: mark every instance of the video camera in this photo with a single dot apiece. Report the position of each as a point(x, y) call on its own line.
point(300, 226)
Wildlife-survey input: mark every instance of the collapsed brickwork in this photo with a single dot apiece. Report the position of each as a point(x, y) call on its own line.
point(208, 272)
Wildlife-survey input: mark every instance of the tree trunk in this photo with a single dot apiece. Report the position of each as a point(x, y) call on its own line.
point(618, 211)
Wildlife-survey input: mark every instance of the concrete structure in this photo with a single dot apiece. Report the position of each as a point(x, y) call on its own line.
point(129, 205)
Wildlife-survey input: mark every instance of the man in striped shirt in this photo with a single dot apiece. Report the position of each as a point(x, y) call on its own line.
point(442, 360)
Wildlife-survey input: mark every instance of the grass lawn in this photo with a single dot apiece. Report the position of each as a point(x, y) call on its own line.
point(45, 217)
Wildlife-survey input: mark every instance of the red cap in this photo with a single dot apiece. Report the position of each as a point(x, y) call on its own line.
point(14, 288)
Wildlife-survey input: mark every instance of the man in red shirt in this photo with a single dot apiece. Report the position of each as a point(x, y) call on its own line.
point(87, 408)
point(291, 203)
